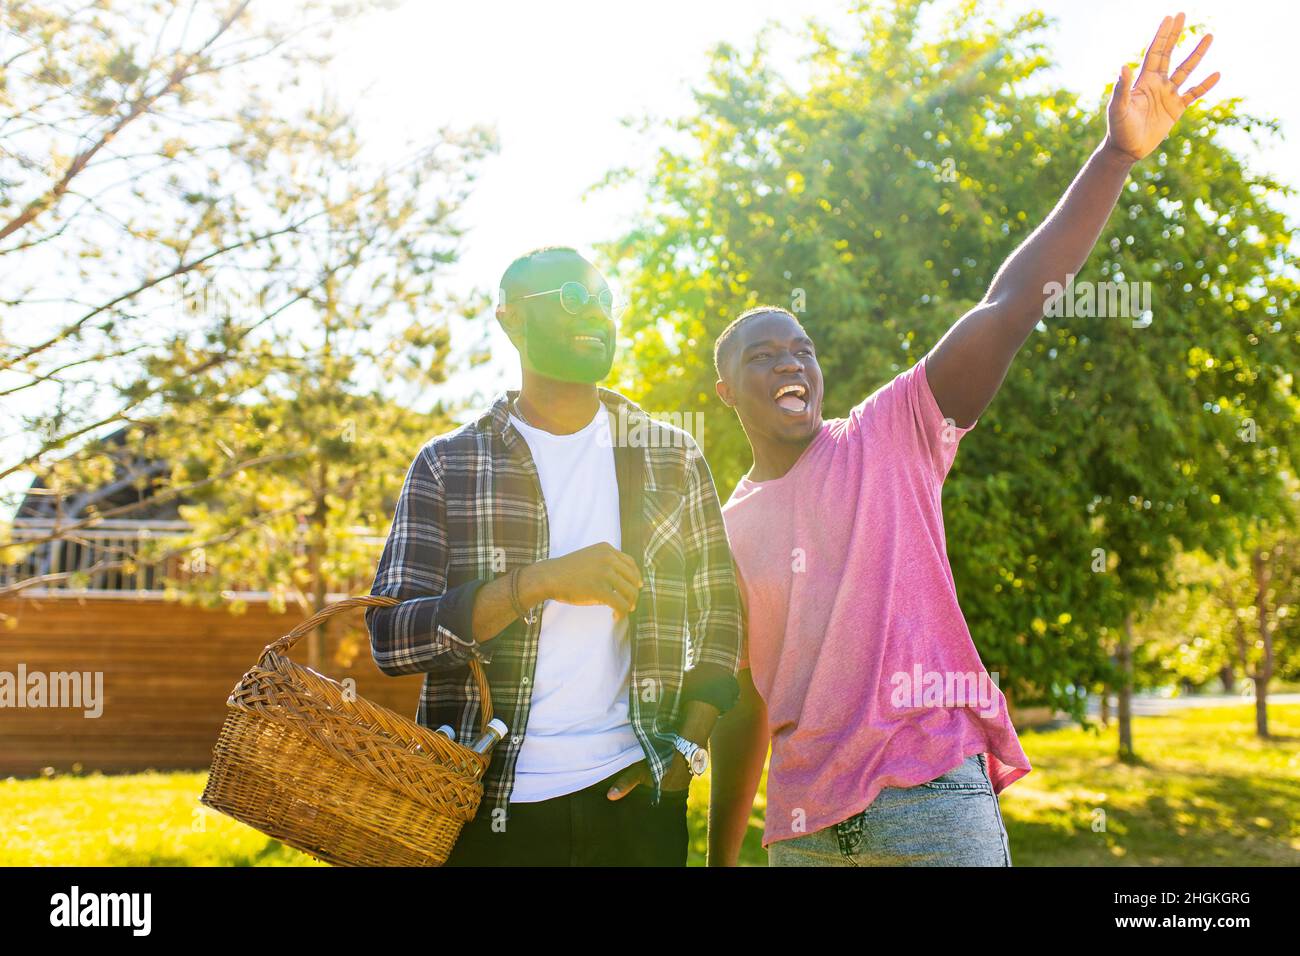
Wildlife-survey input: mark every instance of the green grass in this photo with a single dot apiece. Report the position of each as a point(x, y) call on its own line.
point(143, 819)
point(1203, 792)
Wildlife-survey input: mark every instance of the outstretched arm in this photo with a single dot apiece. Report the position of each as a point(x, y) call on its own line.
point(967, 366)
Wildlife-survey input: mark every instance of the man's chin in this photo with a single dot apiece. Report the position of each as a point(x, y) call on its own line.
point(578, 371)
point(797, 430)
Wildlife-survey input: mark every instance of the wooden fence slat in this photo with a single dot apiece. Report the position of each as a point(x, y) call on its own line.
point(167, 672)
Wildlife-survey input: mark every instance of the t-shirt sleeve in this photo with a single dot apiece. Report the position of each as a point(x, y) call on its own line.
point(905, 413)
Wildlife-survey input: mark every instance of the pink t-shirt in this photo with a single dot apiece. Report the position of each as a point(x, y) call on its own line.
point(855, 640)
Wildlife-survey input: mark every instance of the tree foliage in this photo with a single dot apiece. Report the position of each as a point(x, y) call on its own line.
point(876, 192)
point(196, 248)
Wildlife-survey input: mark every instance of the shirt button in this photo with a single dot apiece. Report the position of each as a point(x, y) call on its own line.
point(524, 681)
point(516, 739)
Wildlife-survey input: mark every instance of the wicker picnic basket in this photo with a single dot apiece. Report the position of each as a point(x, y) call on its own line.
point(333, 775)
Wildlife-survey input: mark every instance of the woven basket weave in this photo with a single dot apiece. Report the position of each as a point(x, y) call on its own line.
point(344, 780)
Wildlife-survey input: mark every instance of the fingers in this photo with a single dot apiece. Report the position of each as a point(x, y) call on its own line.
point(622, 594)
point(629, 779)
point(1152, 60)
point(1157, 60)
point(620, 561)
point(1166, 38)
point(1171, 41)
point(623, 565)
point(605, 575)
point(1200, 89)
point(1185, 68)
point(623, 582)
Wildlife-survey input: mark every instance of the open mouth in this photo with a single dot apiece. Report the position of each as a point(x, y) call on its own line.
point(589, 340)
point(792, 398)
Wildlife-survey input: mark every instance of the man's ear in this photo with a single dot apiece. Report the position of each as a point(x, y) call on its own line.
point(512, 322)
point(724, 393)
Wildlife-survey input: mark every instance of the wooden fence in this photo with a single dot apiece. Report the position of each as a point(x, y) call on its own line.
point(167, 670)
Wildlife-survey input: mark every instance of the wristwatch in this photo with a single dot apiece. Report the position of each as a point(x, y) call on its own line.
point(697, 758)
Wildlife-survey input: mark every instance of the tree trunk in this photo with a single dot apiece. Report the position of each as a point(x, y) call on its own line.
point(1261, 708)
point(1105, 706)
point(1125, 708)
point(1264, 671)
point(316, 546)
point(1229, 678)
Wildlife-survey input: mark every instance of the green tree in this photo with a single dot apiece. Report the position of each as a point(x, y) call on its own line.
point(1236, 615)
point(199, 250)
point(876, 197)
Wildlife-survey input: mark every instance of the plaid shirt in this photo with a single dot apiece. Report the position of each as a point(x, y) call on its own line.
point(471, 509)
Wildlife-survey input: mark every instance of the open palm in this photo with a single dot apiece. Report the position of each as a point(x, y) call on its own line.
point(1141, 114)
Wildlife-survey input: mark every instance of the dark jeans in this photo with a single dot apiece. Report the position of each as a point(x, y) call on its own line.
point(584, 828)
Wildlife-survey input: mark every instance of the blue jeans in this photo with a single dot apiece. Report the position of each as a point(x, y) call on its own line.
point(952, 820)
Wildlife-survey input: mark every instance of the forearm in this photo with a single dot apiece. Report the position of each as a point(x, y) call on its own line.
point(967, 366)
point(1058, 248)
point(738, 750)
point(697, 721)
point(422, 633)
point(493, 608)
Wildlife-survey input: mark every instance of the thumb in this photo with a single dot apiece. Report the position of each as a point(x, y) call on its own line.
point(627, 781)
point(1119, 96)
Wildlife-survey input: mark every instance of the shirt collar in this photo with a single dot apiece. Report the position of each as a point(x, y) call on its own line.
point(497, 417)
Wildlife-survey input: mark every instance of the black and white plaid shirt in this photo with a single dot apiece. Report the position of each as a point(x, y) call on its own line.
point(471, 509)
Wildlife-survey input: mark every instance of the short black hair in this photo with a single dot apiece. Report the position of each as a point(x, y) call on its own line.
point(723, 346)
point(514, 278)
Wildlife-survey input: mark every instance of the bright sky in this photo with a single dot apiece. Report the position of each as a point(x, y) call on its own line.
point(520, 65)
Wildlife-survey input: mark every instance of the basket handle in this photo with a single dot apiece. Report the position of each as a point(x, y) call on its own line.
point(283, 644)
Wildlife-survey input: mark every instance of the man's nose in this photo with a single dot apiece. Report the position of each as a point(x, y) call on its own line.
point(789, 362)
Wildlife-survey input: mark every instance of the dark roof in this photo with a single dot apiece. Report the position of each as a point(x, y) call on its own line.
point(131, 483)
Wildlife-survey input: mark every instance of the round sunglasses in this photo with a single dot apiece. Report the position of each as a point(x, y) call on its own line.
point(574, 297)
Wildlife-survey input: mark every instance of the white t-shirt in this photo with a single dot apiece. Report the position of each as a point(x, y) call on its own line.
point(578, 728)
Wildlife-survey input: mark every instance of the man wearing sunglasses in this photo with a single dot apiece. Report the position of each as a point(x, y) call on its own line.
point(576, 549)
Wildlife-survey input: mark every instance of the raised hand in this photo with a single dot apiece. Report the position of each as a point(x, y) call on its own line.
point(1141, 114)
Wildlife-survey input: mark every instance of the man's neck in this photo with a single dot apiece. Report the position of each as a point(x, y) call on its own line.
point(560, 408)
point(773, 459)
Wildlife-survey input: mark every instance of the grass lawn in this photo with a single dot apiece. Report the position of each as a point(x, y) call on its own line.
point(1205, 792)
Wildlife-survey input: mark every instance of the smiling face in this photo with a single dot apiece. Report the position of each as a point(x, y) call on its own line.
point(771, 377)
point(551, 341)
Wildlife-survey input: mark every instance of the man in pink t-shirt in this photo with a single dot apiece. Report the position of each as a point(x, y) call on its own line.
point(889, 739)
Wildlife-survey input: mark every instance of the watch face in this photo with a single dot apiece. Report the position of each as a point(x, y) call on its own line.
point(699, 761)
